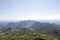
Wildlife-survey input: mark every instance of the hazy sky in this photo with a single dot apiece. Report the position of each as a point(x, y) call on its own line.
point(29, 9)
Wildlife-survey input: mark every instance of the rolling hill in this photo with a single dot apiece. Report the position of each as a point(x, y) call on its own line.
point(29, 28)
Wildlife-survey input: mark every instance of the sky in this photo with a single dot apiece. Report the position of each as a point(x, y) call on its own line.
point(29, 9)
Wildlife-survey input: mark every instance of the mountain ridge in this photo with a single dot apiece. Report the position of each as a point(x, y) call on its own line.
point(35, 26)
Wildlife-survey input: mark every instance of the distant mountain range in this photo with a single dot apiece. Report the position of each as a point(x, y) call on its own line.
point(32, 26)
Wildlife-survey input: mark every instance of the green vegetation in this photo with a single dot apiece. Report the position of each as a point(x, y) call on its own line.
point(24, 34)
point(26, 37)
